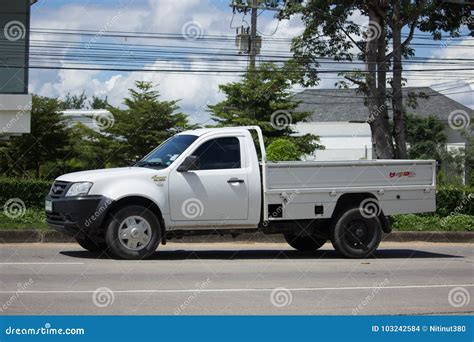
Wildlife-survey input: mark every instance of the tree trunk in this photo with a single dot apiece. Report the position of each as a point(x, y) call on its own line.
point(382, 90)
point(397, 97)
point(382, 146)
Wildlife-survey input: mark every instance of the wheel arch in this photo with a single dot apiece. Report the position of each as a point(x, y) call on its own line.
point(139, 200)
point(351, 200)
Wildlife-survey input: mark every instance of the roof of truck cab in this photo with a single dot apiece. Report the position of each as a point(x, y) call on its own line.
point(202, 131)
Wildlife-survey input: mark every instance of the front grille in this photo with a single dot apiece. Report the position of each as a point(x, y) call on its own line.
point(59, 189)
point(54, 218)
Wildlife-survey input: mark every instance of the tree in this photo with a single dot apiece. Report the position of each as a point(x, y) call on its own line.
point(98, 103)
point(26, 155)
point(426, 137)
point(74, 101)
point(87, 149)
point(145, 124)
point(329, 33)
point(468, 135)
point(262, 98)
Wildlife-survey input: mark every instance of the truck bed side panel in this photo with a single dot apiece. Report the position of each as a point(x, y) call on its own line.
point(310, 190)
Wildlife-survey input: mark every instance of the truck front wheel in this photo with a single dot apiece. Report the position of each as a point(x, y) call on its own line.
point(88, 243)
point(133, 232)
point(356, 235)
point(305, 243)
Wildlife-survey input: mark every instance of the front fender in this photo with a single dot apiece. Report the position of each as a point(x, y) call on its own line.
point(152, 189)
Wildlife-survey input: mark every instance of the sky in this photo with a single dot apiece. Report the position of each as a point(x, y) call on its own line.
point(195, 91)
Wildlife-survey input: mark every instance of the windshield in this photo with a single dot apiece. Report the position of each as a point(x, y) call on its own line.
point(165, 154)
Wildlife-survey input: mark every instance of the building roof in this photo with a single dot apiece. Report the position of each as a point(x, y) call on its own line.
point(202, 131)
point(87, 117)
point(348, 104)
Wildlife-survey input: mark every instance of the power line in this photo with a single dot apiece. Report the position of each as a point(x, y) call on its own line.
point(203, 37)
point(330, 71)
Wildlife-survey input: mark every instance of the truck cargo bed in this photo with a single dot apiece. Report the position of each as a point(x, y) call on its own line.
point(349, 174)
point(312, 189)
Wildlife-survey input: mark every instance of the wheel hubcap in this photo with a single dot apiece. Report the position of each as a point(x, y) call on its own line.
point(135, 233)
point(357, 235)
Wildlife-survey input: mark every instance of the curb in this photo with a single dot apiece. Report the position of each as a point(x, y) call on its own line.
point(32, 236)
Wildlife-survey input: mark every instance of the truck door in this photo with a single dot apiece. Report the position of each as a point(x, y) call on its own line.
point(216, 193)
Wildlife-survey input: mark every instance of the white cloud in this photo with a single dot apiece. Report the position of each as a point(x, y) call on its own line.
point(194, 90)
point(458, 88)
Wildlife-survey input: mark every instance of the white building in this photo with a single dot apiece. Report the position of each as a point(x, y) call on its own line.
point(92, 118)
point(342, 140)
point(15, 102)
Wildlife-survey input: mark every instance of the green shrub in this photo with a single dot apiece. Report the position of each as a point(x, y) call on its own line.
point(453, 199)
point(32, 218)
point(283, 150)
point(411, 222)
point(30, 191)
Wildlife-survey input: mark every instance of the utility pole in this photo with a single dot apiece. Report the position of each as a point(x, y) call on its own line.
point(253, 36)
point(252, 47)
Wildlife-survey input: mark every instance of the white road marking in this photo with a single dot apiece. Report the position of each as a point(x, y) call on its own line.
point(302, 289)
point(40, 263)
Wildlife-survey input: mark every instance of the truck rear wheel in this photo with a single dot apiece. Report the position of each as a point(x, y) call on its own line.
point(355, 235)
point(306, 243)
point(133, 232)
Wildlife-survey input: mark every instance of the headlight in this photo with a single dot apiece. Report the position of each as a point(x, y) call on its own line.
point(78, 189)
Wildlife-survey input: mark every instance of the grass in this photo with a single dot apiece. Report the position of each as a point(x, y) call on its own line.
point(31, 219)
point(34, 218)
point(413, 222)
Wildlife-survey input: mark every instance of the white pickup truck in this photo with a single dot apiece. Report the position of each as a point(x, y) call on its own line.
point(211, 181)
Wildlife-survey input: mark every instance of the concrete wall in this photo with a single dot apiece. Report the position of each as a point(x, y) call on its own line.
point(15, 114)
point(342, 140)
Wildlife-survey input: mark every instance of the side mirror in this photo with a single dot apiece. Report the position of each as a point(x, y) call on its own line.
point(189, 163)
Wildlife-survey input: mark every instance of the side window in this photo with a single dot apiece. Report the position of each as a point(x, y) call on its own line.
point(220, 153)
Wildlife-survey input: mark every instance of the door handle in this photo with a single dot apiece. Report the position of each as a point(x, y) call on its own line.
point(235, 180)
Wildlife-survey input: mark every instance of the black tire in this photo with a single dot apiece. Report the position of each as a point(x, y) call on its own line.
point(355, 235)
point(89, 244)
point(305, 243)
point(116, 246)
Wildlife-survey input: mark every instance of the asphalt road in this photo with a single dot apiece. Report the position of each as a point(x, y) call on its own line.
point(234, 279)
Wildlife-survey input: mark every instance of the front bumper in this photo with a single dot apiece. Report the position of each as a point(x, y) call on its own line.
point(73, 215)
